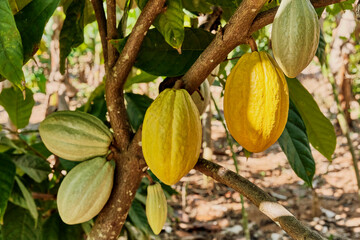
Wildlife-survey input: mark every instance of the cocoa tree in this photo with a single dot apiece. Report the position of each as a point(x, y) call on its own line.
point(22, 24)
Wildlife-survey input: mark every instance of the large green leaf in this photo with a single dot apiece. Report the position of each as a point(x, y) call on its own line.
point(18, 108)
point(11, 49)
point(55, 229)
point(197, 6)
point(34, 166)
point(17, 197)
point(31, 206)
point(72, 32)
point(136, 107)
point(319, 129)
point(143, 77)
point(137, 216)
point(7, 178)
point(17, 5)
point(160, 59)
point(295, 144)
point(320, 52)
point(31, 21)
point(18, 224)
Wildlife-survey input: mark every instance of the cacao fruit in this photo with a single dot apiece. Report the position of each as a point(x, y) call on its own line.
point(85, 190)
point(202, 103)
point(156, 207)
point(295, 35)
point(171, 136)
point(75, 136)
point(256, 101)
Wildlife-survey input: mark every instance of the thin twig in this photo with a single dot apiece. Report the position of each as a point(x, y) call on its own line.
point(111, 32)
point(101, 20)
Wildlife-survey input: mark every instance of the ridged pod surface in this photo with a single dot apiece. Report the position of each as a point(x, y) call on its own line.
point(75, 136)
point(295, 35)
point(171, 136)
point(85, 190)
point(256, 101)
point(201, 104)
point(156, 207)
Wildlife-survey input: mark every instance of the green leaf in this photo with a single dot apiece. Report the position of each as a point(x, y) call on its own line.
point(17, 197)
point(171, 23)
point(96, 104)
point(31, 21)
point(31, 206)
point(72, 32)
point(159, 58)
point(19, 110)
point(319, 129)
point(34, 166)
point(11, 49)
point(197, 6)
point(55, 229)
point(320, 52)
point(18, 224)
point(143, 77)
point(137, 216)
point(41, 148)
point(17, 5)
point(7, 178)
point(136, 107)
point(295, 144)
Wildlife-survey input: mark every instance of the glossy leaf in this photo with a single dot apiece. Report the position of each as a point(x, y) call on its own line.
point(18, 224)
point(319, 129)
point(72, 32)
point(137, 215)
point(320, 52)
point(136, 107)
point(143, 77)
point(11, 49)
point(171, 23)
point(34, 166)
point(7, 178)
point(295, 144)
point(55, 229)
point(30, 203)
point(159, 58)
point(18, 108)
point(31, 21)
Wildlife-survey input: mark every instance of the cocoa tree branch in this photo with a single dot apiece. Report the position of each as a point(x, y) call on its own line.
point(117, 75)
point(111, 32)
point(259, 198)
point(233, 34)
point(267, 17)
point(101, 20)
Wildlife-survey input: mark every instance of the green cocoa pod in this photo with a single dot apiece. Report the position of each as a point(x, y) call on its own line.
point(85, 190)
point(156, 207)
point(295, 35)
point(75, 136)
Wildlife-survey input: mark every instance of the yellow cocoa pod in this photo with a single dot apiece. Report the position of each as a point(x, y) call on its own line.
point(156, 207)
point(75, 136)
point(85, 190)
point(171, 136)
point(256, 101)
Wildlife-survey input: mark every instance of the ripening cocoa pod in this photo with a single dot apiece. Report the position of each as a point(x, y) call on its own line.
point(256, 101)
point(85, 190)
point(295, 35)
point(171, 136)
point(156, 207)
point(75, 136)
